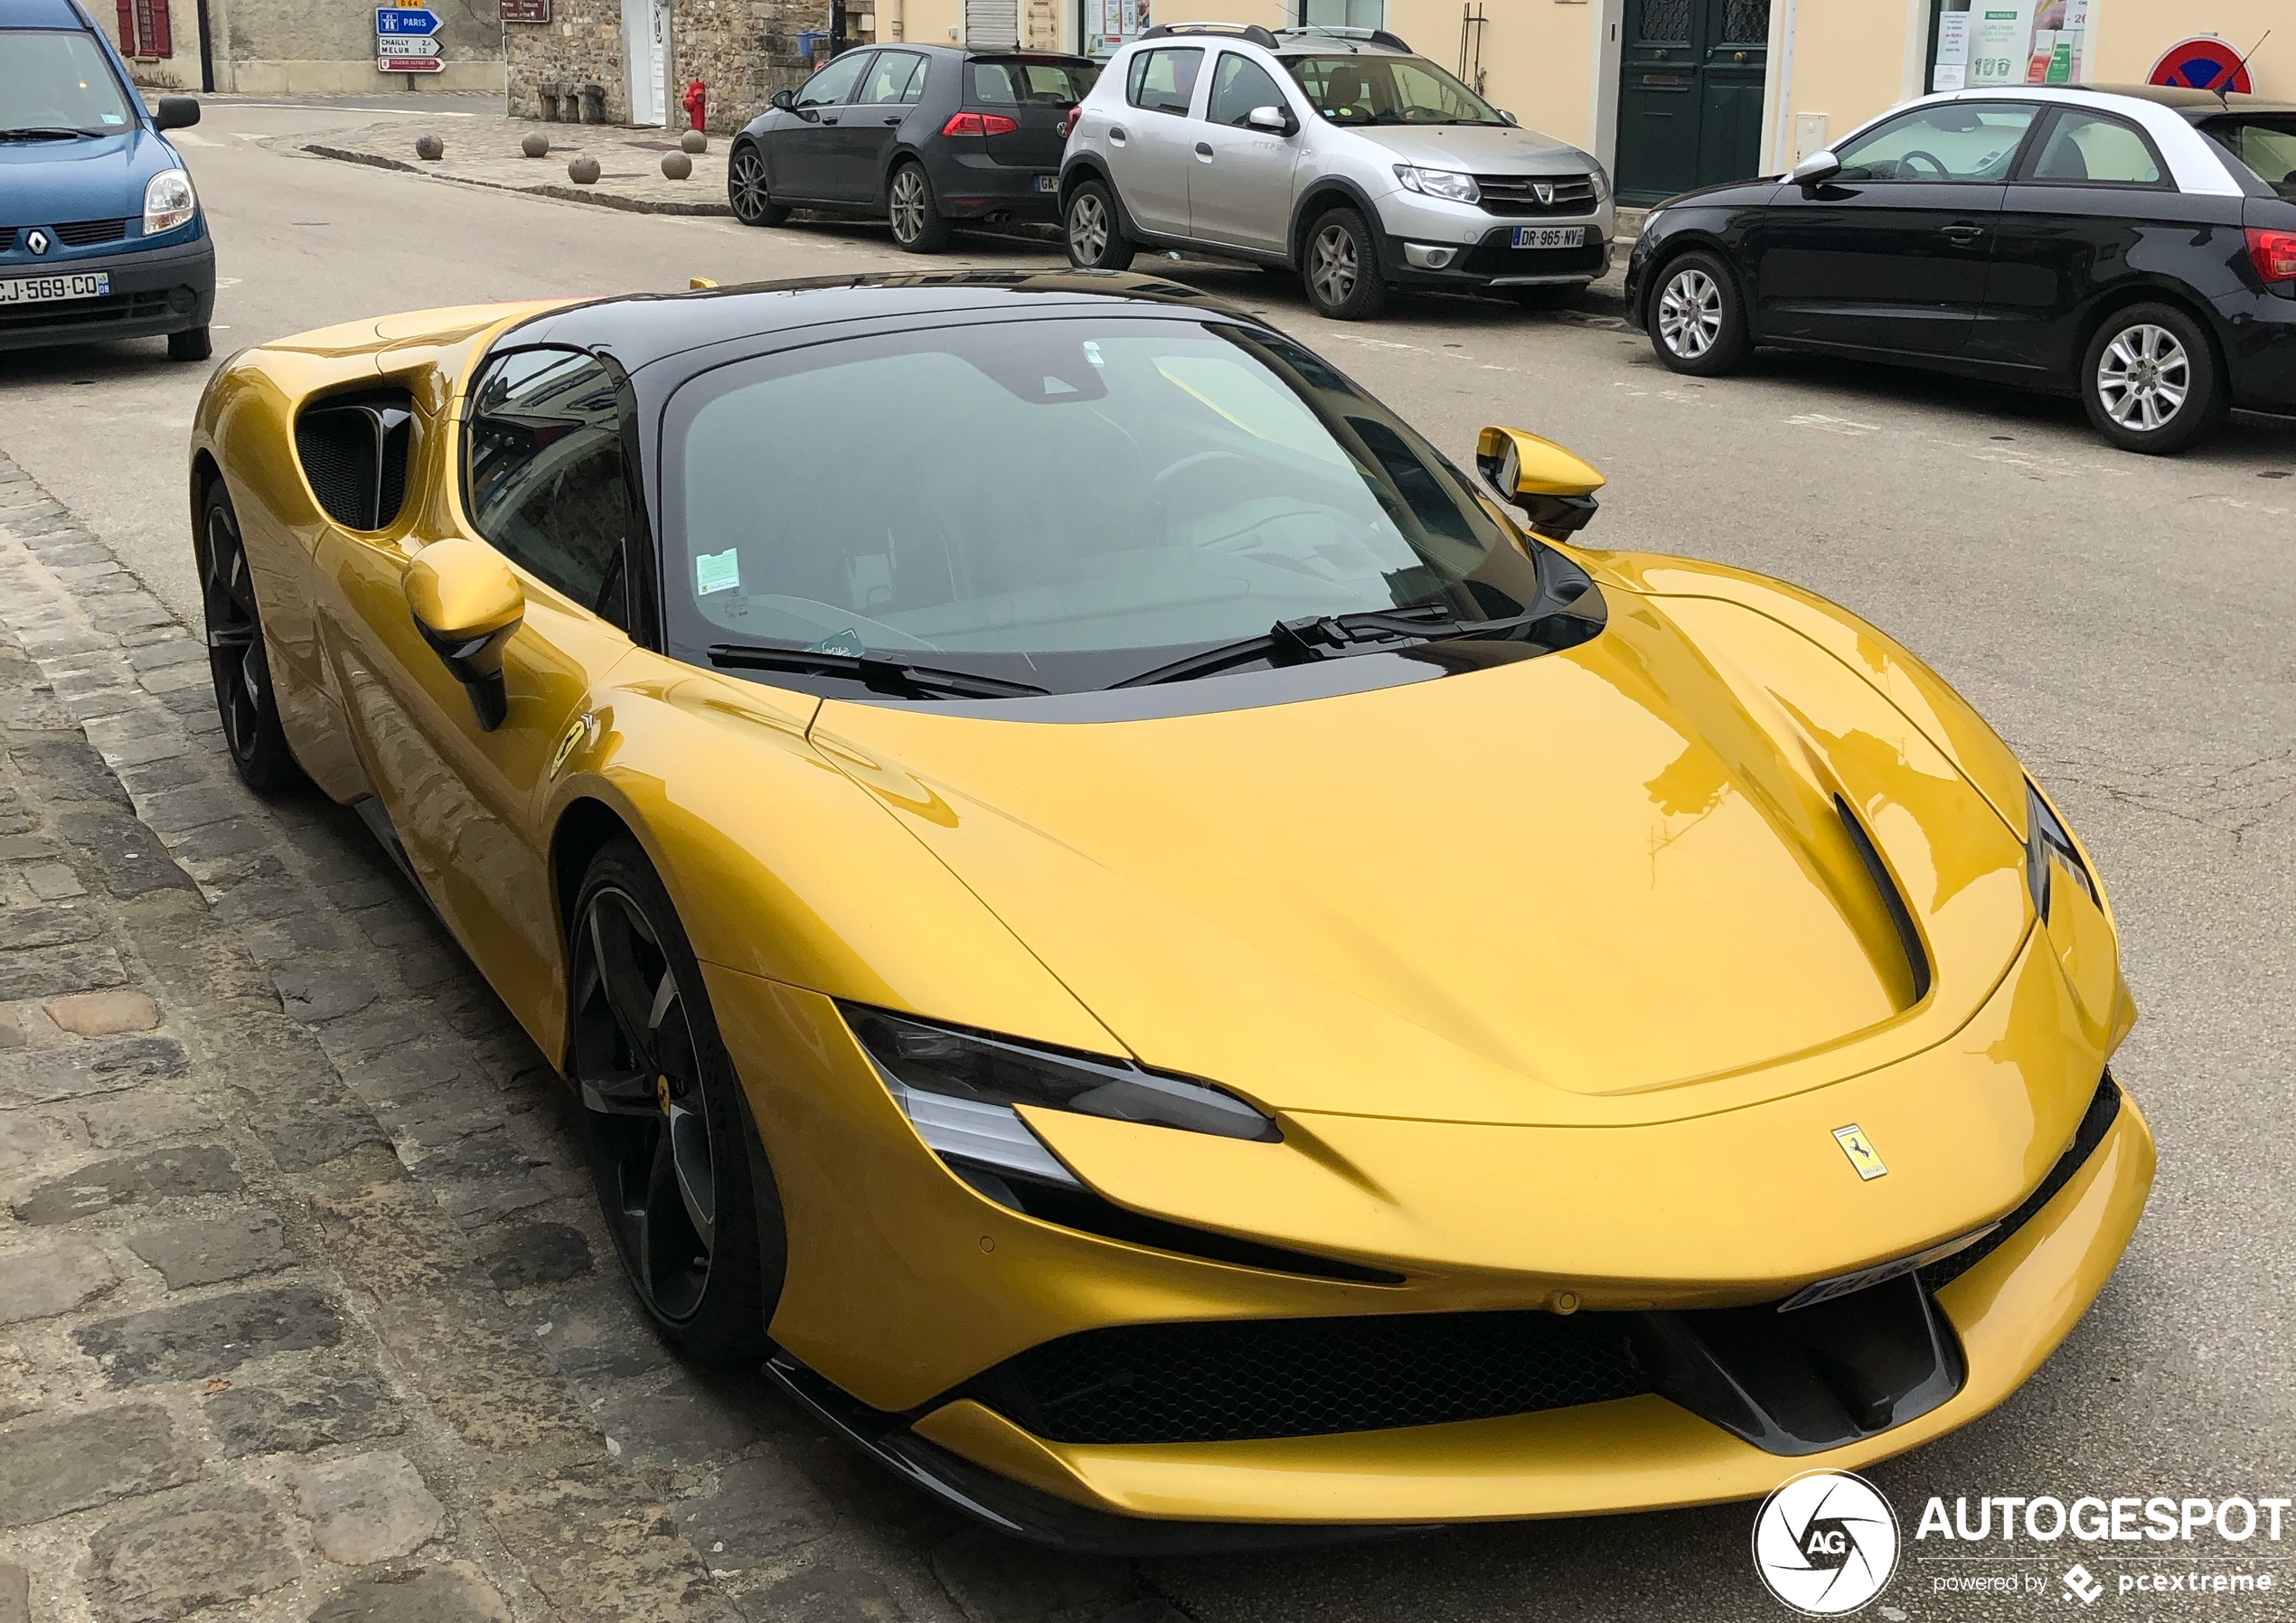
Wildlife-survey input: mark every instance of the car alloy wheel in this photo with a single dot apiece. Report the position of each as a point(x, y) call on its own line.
point(906, 205)
point(1333, 269)
point(753, 203)
point(2143, 377)
point(1088, 228)
point(235, 659)
point(639, 1070)
point(1690, 313)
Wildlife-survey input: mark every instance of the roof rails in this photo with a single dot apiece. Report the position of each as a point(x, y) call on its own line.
point(1369, 36)
point(1251, 32)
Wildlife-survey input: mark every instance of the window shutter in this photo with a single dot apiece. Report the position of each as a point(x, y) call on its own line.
point(162, 44)
point(127, 27)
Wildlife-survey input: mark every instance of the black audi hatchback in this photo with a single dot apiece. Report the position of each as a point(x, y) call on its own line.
point(2136, 246)
point(918, 135)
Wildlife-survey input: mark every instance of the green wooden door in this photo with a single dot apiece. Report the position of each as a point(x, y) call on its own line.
point(1690, 95)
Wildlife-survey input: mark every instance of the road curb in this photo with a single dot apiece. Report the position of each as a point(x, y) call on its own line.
point(567, 194)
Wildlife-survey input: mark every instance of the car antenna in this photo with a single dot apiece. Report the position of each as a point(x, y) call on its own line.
point(2223, 85)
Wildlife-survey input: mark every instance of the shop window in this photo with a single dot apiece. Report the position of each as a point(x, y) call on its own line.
point(1341, 13)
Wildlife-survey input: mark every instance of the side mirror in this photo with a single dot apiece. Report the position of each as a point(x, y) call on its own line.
point(176, 112)
point(1555, 488)
point(1816, 169)
point(467, 603)
point(1275, 120)
point(1506, 117)
point(783, 101)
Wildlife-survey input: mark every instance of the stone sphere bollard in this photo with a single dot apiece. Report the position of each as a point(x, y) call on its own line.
point(694, 140)
point(583, 172)
point(536, 145)
point(429, 147)
point(676, 165)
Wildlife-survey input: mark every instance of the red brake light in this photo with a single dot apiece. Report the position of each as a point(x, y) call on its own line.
point(979, 123)
point(2275, 253)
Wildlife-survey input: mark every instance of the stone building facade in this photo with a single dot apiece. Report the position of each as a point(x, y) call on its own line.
point(284, 47)
point(742, 49)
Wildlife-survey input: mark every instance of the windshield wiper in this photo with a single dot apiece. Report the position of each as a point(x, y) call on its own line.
point(43, 132)
point(895, 678)
point(1325, 637)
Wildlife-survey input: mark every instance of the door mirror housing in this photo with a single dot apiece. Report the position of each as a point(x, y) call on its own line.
point(1816, 169)
point(176, 112)
point(467, 604)
point(783, 101)
point(1506, 117)
point(1555, 488)
point(1275, 120)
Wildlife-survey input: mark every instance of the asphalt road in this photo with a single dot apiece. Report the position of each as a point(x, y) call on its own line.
point(2122, 620)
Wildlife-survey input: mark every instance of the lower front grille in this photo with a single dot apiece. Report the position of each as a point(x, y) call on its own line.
point(1302, 1378)
point(66, 313)
point(82, 233)
point(2103, 1109)
point(1496, 258)
point(7, 237)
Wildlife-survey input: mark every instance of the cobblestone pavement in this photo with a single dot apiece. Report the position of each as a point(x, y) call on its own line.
point(305, 1311)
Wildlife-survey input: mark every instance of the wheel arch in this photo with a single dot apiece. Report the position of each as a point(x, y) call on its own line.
point(1690, 240)
point(2113, 301)
point(903, 153)
point(1329, 191)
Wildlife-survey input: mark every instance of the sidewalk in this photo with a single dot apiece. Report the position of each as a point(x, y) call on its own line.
point(485, 152)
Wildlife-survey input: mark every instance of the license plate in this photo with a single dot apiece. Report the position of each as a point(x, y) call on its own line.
point(1048, 182)
point(1551, 236)
point(1843, 1284)
point(39, 290)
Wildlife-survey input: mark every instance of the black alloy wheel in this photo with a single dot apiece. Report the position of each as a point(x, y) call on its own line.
point(2150, 380)
point(236, 657)
point(915, 218)
point(1344, 281)
point(1697, 321)
point(1095, 232)
point(681, 1175)
point(746, 188)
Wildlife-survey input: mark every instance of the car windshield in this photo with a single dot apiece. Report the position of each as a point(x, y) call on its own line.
point(1054, 83)
point(1065, 503)
point(1387, 89)
point(2265, 142)
point(53, 80)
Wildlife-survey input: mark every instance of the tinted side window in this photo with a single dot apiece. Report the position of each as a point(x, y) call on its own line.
point(2265, 143)
point(1948, 141)
point(833, 83)
point(898, 77)
point(1239, 84)
point(546, 480)
point(1056, 84)
point(2086, 149)
point(1165, 81)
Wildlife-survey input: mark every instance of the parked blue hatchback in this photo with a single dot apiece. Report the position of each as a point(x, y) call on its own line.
point(101, 235)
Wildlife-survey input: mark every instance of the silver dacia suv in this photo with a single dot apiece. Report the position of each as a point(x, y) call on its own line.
point(1336, 153)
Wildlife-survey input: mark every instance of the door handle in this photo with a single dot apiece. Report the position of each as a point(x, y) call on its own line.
point(896, 119)
point(827, 118)
point(1116, 133)
point(1962, 232)
point(1203, 149)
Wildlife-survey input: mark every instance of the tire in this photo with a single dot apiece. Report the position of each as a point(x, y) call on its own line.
point(1697, 319)
point(746, 188)
point(2151, 381)
point(1094, 231)
point(1341, 267)
point(1551, 296)
point(237, 659)
point(681, 1174)
point(917, 224)
point(192, 344)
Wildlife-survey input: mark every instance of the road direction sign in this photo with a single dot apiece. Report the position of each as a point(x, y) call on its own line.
point(401, 20)
point(413, 45)
point(408, 64)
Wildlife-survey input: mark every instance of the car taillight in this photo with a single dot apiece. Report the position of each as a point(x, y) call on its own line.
point(2275, 253)
point(979, 123)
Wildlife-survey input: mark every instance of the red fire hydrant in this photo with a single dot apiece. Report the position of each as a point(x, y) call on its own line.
point(697, 101)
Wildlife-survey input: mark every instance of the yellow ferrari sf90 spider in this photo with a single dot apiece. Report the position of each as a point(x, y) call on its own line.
point(1162, 961)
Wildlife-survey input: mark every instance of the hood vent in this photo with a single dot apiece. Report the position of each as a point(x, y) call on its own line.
point(355, 453)
point(1892, 898)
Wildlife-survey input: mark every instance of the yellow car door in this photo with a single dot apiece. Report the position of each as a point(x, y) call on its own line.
point(536, 478)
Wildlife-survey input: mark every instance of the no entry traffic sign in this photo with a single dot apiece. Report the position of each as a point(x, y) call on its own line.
point(2203, 62)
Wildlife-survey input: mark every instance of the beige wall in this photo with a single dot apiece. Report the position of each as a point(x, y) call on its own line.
point(2129, 36)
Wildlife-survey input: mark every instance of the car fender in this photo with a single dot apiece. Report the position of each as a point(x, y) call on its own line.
point(1324, 193)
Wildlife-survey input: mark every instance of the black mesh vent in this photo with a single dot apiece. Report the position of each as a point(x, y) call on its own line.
point(117, 306)
point(1304, 1377)
point(355, 453)
point(7, 237)
point(2093, 1126)
point(1497, 257)
point(80, 233)
point(1518, 194)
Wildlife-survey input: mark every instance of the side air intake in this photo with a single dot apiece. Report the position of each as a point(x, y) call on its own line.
point(355, 452)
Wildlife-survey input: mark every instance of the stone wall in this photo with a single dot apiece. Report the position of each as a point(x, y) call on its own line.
point(743, 49)
point(327, 47)
point(178, 71)
point(581, 44)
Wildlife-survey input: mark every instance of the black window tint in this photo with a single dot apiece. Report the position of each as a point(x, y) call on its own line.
point(2265, 143)
point(2083, 149)
point(1004, 83)
point(833, 83)
point(895, 78)
point(547, 482)
point(1239, 84)
point(1165, 81)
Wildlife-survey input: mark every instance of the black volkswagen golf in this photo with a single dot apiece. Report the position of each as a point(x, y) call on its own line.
point(2136, 246)
point(918, 135)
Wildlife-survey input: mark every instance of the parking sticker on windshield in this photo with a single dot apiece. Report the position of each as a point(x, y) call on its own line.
point(717, 571)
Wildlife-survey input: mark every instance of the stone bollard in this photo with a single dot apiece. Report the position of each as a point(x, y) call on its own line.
point(430, 148)
point(676, 165)
point(583, 172)
point(535, 145)
point(694, 140)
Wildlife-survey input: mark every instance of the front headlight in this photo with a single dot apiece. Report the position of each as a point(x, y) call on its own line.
point(958, 1087)
point(2047, 846)
point(1602, 183)
point(168, 201)
point(1439, 182)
